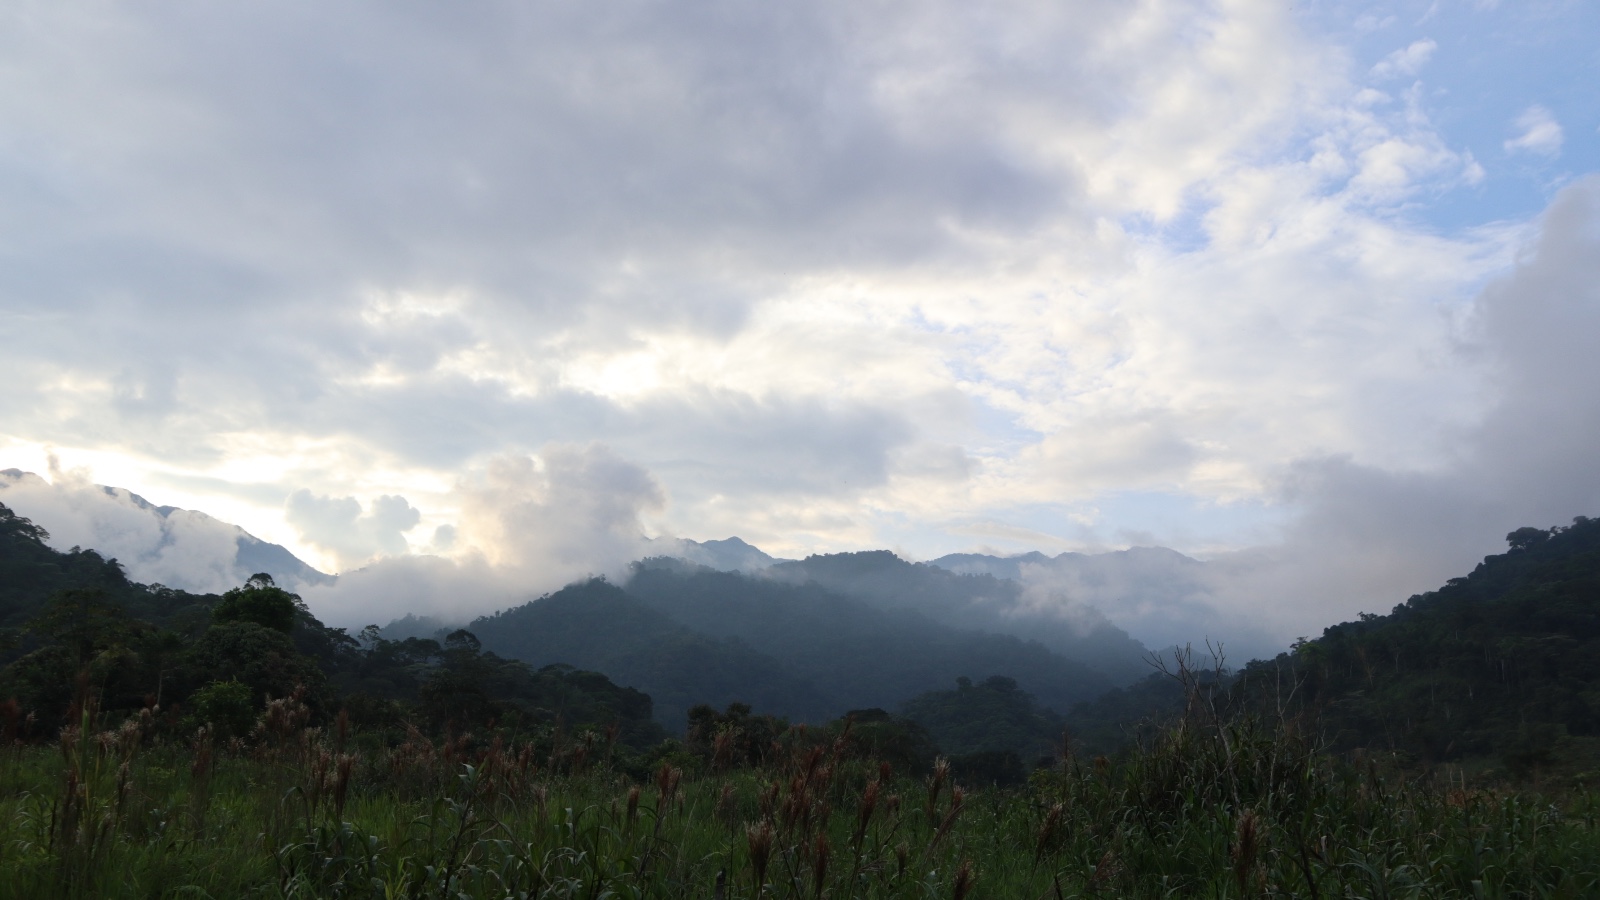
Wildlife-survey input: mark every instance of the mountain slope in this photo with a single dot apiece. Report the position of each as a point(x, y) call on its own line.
point(978, 602)
point(1504, 662)
point(596, 625)
point(31, 571)
point(858, 654)
point(181, 548)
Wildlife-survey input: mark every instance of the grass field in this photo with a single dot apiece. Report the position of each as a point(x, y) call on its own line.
point(1219, 810)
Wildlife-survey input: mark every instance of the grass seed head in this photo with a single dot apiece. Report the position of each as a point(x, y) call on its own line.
point(965, 878)
point(819, 862)
point(1246, 846)
point(760, 839)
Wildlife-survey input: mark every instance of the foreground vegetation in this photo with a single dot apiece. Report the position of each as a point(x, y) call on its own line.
point(1208, 808)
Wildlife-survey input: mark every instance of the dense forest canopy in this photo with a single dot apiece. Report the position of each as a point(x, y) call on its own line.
point(78, 631)
point(1503, 662)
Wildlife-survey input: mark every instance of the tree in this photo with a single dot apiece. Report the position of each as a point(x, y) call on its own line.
point(226, 707)
point(262, 602)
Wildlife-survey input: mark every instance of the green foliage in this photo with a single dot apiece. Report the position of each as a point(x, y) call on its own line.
point(733, 737)
point(228, 708)
point(1211, 807)
point(260, 602)
point(1501, 664)
point(902, 743)
point(263, 659)
point(1125, 715)
point(993, 716)
point(479, 776)
point(465, 687)
point(83, 645)
point(121, 648)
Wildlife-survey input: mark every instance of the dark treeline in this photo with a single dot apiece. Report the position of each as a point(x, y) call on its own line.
point(78, 631)
point(1501, 666)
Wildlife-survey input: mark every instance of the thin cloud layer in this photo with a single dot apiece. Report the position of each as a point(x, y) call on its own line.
point(1538, 132)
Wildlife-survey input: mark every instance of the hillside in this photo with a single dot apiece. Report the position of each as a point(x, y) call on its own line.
point(180, 548)
point(858, 654)
point(31, 572)
point(1501, 664)
point(597, 625)
point(74, 628)
point(687, 635)
point(974, 602)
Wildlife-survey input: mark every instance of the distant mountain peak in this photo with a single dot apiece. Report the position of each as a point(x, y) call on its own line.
point(185, 549)
point(731, 554)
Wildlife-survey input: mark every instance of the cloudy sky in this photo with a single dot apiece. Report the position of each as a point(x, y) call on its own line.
point(1306, 290)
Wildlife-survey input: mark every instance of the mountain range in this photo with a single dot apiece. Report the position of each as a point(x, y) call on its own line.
point(1032, 596)
point(809, 650)
point(723, 620)
point(180, 548)
point(1496, 668)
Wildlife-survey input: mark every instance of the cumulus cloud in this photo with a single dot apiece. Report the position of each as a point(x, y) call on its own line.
point(1363, 536)
point(570, 511)
point(528, 525)
point(1406, 61)
point(1538, 133)
point(340, 525)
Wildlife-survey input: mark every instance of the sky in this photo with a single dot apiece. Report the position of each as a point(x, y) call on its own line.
point(472, 300)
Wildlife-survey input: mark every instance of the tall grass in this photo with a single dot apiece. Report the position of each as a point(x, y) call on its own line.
point(1212, 807)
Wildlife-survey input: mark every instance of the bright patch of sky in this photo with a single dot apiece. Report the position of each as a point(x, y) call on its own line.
point(1502, 81)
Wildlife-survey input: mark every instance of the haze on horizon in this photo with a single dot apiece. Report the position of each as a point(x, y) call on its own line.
point(475, 300)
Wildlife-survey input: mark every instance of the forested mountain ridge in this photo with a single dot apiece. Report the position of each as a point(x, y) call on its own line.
point(688, 634)
point(76, 633)
point(597, 625)
point(31, 572)
point(974, 602)
point(858, 653)
point(1502, 663)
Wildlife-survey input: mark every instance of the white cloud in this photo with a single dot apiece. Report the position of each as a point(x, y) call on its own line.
point(1538, 133)
point(178, 548)
point(529, 524)
point(1406, 61)
point(339, 524)
point(1369, 536)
